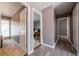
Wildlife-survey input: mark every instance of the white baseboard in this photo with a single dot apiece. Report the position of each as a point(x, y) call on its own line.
point(44, 45)
point(30, 52)
point(53, 46)
point(78, 54)
point(47, 45)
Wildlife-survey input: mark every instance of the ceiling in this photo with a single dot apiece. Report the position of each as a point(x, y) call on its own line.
point(60, 7)
point(9, 8)
point(64, 8)
point(43, 5)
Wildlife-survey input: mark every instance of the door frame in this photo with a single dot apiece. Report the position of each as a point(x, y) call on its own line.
point(28, 26)
point(41, 28)
point(68, 27)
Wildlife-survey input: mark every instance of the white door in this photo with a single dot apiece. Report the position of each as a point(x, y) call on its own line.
point(23, 30)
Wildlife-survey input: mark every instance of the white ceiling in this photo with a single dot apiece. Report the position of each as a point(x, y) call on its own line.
point(9, 8)
point(43, 5)
point(60, 7)
point(64, 8)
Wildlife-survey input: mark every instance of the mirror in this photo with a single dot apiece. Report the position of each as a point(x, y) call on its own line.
point(36, 30)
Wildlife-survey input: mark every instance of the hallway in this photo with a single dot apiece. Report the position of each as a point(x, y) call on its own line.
point(10, 48)
point(63, 48)
point(56, 22)
point(46, 51)
point(64, 44)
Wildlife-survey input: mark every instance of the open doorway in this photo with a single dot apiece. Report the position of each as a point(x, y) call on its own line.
point(36, 28)
point(13, 28)
point(64, 28)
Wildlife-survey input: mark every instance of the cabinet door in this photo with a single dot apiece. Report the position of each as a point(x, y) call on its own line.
point(23, 30)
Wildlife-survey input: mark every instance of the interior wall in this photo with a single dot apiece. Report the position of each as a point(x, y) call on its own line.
point(48, 26)
point(23, 30)
point(75, 27)
point(0, 20)
point(15, 25)
point(78, 27)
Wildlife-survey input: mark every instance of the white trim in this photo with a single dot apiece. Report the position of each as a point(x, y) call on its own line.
point(33, 27)
point(48, 45)
point(68, 27)
point(62, 36)
point(28, 21)
point(62, 18)
point(41, 29)
point(77, 27)
point(41, 32)
point(30, 52)
point(55, 44)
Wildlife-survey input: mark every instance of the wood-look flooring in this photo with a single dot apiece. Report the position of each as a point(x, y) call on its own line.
point(63, 48)
point(10, 48)
point(59, 50)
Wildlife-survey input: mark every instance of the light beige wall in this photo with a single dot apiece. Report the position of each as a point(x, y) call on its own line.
point(0, 21)
point(23, 30)
point(78, 27)
point(48, 26)
point(15, 25)
point(75, 27)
